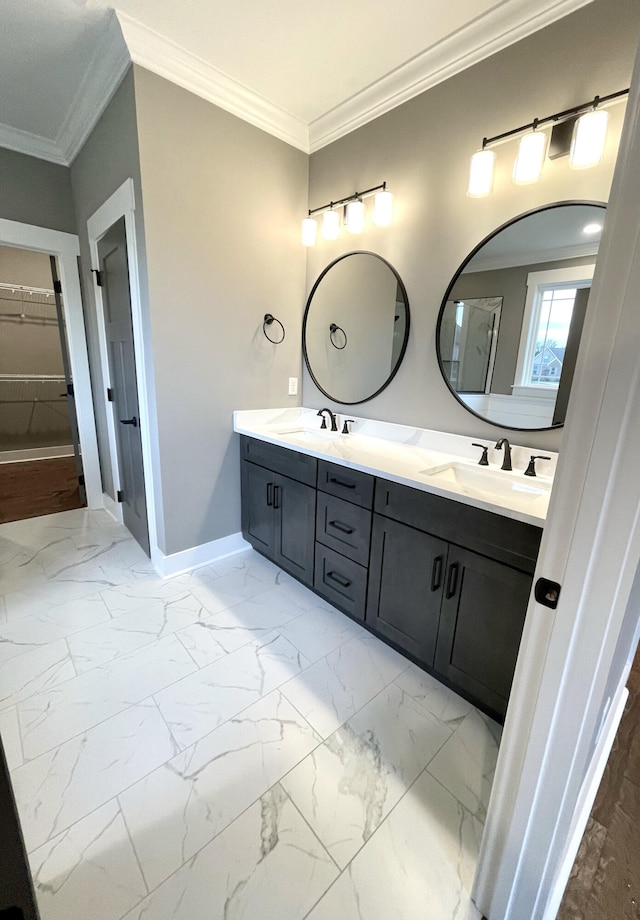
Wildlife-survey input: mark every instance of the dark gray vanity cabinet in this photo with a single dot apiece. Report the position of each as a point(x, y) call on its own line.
point(450, 584)
point(278, 510)
point(481, 622)
point(405, 586)
point(443, 581)
point(343, 535)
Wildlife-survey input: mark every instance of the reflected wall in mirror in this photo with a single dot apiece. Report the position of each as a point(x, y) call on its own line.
point(356, 327)
point(510, 323)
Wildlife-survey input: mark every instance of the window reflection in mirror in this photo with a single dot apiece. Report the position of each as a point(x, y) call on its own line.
point(510, 325)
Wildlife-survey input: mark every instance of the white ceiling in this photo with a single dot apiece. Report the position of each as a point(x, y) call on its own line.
point(306, 71)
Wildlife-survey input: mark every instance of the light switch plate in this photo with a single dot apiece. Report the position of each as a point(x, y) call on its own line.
point(293, 386)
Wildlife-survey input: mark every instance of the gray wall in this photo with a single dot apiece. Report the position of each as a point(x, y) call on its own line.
point(106, 160)
point(422, 150)
point(222, 207)
point(35, 192)
point(511, 285)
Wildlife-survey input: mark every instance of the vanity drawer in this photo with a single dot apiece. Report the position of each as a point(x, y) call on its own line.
point(341, 581)
point(291, 463)
point(346, 483)
point(501, 538)
point(343, 527)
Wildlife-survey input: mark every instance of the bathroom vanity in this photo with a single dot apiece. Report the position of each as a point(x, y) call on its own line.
point(430, 552)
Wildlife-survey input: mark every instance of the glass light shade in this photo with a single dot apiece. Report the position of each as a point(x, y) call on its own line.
point(355, 217)
point(383, 209)
point(589, 136)
point(531, 151)
point(309, 231)
point(481, 173)
point(331, 225)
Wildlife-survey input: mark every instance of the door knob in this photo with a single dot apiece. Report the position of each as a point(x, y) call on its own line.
point(129, 421)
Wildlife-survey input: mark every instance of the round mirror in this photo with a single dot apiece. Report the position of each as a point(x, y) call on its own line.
point(510, 323)
point(356, 327)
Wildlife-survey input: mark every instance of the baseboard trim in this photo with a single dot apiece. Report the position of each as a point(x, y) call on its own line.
point(36, 453)
point(197, 556)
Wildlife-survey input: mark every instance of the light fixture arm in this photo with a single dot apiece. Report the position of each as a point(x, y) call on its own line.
point(357, 196)
point(559, 116)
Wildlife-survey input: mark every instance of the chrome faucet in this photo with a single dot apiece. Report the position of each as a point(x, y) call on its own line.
point(504, 444)
point(334, 421)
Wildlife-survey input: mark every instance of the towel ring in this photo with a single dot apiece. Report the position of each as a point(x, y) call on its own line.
point(333, 328)
point(268, 320)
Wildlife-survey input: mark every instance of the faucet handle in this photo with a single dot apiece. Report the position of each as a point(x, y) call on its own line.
point(531, 469)
point(484, 460)
point(345, 427)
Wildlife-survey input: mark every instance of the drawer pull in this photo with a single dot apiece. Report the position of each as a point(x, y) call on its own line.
point(343, 582)
point(341, 527)
point(269, 494)
point(436, 573)
point(341, 482)
point(276, 494)
point(452, 582)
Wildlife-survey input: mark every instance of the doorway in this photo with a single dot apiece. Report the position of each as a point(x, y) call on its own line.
point(40, 459)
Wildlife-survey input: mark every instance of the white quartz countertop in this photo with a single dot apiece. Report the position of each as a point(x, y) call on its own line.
point(432, 461)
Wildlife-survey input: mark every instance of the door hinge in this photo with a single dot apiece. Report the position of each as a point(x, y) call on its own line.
point(98, 275)
point(81, 480)
point(109, 394)
point(119, 496)
point(70, 390)
point(57, 287)
point(547, 592)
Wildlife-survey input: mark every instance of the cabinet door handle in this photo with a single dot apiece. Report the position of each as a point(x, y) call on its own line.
point(341, 482)
point(341, 527)
point(436, 573)
point(276, 496)
point(452, 581)
point(269, 494)
point(343, 582)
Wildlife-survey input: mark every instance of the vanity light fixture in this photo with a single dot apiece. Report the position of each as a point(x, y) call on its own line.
point(531, 150)
point(589, 136)
point(309, 231)
point(579, 132)
point(331, 224)
point(354, 216)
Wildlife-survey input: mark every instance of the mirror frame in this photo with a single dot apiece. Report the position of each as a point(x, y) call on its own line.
point(459, 271)
point(346, 255)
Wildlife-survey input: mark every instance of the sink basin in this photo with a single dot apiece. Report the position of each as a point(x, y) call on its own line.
point(482, 482)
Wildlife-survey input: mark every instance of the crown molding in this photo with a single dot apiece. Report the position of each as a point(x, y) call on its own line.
point(167, 59)
point(534, 257)
point(506, 24)
point(109, 63)
point(33, 145)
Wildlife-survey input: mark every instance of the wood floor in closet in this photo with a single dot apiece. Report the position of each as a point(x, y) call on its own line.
point(36, 487)
point(605, 880)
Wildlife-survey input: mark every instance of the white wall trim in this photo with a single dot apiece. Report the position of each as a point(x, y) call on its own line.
point(36, 453)
point(109, 63)
point(204, 554)
point(571, 660)
point(34, 145)
point(151, 50)
point(67, 249)
point(505, 24)
point(579, 251)
point(122, 204)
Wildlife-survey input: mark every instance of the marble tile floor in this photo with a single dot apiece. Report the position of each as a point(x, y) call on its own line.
point(224, 744)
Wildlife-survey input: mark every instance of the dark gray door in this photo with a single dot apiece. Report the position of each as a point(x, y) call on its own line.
point(114, 282)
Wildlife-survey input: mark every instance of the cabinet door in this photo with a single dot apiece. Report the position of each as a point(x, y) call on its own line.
point(406, 576)
point(258, 486)
point(483, 611)
point(295, 525)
